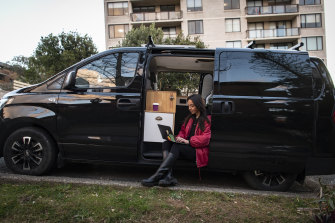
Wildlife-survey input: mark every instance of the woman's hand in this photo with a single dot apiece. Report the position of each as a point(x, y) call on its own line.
point(182, 140)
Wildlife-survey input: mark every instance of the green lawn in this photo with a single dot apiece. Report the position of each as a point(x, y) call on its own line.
point(44, 202)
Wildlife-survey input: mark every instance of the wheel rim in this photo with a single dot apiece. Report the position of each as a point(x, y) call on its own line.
point(270, 179)
point(27, 153)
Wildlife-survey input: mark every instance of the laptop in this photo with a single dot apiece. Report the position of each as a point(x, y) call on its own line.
point(167, 133)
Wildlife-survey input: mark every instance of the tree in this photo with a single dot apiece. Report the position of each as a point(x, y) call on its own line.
point(139, 36)
point(53, 54)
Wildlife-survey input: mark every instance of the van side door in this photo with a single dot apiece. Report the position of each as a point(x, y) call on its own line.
point(99, 119)
point(262, 115)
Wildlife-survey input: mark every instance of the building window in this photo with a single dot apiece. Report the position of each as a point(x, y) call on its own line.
point(309, 2)
point(280, 46)
point(234, 44)
point(195, 27)
point(117, 8)
point(312, 43)
point(194, 5)
point(169, 32)
point(233, 25)
point(254, 3)
point(231, 4)
point(256, 30)
point(144, 9)
point(310, 21)
point(118, 31)
point(260, 46)
point(168, 8)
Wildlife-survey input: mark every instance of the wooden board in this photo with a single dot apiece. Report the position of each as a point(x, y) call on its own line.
point(166, 100)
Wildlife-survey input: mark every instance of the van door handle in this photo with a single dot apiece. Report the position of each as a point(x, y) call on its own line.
point(228, 107)
point(95, 100)
point(128, 104)
point(223, 107)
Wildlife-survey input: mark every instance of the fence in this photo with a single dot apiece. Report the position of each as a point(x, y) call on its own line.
point(19, 84)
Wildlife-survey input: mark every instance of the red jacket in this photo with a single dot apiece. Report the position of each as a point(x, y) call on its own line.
point(200, 140)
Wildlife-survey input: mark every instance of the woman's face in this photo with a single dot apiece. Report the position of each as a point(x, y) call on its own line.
point(191, 107)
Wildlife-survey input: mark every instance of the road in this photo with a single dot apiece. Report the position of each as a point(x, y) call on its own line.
point(131, 176)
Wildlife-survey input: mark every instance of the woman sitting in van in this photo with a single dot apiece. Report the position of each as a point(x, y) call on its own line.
point(192, 144)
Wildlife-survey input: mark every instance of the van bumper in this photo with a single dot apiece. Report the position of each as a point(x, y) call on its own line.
point(320, 166)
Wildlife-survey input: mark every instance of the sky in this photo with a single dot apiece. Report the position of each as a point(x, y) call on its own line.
point(23, 22)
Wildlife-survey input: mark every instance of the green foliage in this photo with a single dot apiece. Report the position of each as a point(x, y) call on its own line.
point(184, 83)
point(52, 55)
point(326, 211)
point(139, 36)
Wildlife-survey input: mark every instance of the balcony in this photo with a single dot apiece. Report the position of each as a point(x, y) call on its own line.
point(155, 16)
point(273, 34)
point(271, 13)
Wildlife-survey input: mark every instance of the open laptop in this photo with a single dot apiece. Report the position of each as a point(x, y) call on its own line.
point(166, 131)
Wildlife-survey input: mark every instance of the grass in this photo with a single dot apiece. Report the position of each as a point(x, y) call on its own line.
point(45, 202)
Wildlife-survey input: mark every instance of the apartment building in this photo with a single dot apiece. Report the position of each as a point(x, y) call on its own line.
point(273, 24)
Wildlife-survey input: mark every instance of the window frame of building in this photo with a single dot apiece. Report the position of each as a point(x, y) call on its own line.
point(281, 46)
point(308, 2)
point(168, 8)
point(231, 4)
point(308, 40)
point(192, 7)
point(141, 9)
point(169, 33)
point(190, 22)
point(234, 42)
point(254, 3)
point(125, 28)
point(125, 10)
point(233, 26)
point(112, 72)
point(315, 24)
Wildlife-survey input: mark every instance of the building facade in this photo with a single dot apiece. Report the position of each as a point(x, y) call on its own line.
point(273, 24)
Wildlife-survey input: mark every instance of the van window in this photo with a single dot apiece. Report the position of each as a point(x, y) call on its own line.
point(264, 74)
point(114, 70)
point(323, 71)
point(317, 80)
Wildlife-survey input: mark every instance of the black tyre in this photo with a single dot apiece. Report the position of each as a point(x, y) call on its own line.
point(29, 151)
point(260, 180)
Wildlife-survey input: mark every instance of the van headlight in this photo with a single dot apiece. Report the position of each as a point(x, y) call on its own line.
point(3, 102)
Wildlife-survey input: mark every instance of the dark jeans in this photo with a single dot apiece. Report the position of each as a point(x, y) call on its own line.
point(179, 150)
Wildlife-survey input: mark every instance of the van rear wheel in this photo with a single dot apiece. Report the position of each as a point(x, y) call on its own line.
point(269, 181)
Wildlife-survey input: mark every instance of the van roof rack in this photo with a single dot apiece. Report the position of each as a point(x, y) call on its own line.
point(251, 45)
point(150, 42)
point(297, 47)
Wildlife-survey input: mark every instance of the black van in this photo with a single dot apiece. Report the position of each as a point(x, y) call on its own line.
point(272, 112)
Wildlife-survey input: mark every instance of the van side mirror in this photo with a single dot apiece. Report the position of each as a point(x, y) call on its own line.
point(70, 80)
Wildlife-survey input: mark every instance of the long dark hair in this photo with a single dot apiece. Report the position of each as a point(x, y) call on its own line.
point(199, 103)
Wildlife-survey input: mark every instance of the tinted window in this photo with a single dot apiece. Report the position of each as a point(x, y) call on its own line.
point(264, 74)
point(114, 70)
point(317, 80)
point(324, 72)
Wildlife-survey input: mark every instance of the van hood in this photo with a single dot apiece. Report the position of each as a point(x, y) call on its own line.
point(19, 91)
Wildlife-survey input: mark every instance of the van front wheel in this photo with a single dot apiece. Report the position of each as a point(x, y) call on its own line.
point(261, 180)
point(29, 151)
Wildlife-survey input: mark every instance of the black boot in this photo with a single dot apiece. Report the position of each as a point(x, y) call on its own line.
point(168, 180)
point(162, 171)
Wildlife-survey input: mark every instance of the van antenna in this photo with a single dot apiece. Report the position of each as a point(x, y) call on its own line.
point(251, 45)
point(297, 47)
point(150, 42)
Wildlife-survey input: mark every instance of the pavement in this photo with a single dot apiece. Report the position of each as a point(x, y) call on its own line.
point(128, 176)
